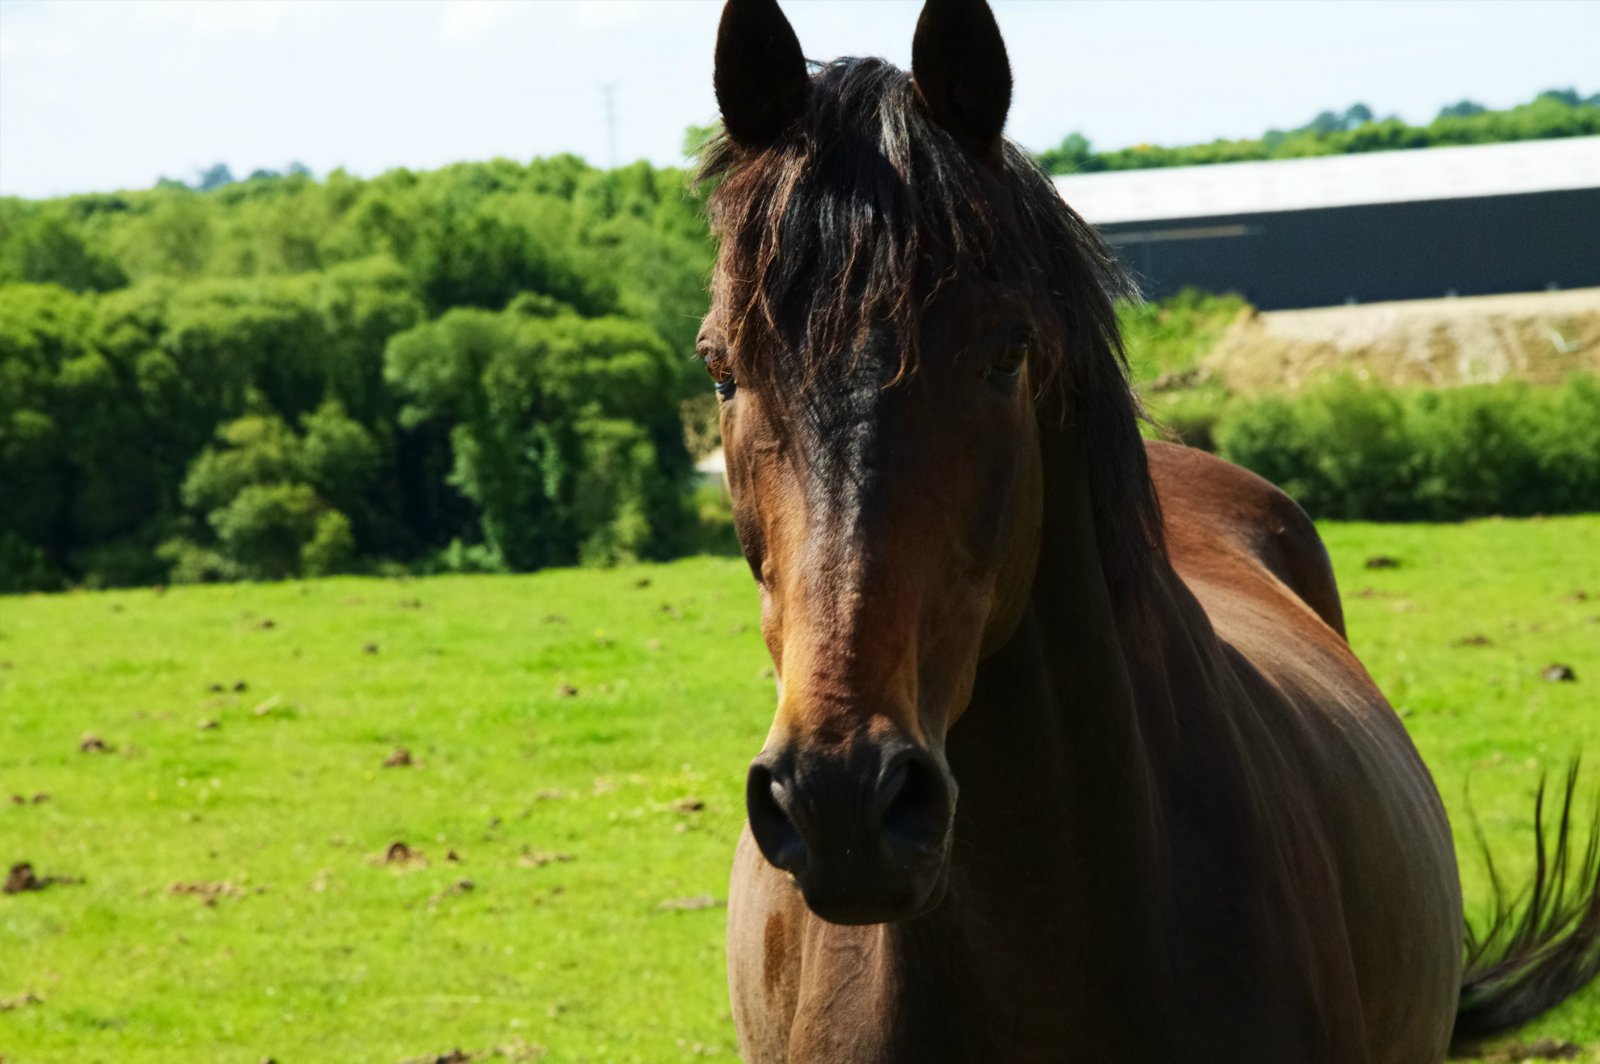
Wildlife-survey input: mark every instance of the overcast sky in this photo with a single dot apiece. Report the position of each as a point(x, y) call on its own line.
point(106, 94)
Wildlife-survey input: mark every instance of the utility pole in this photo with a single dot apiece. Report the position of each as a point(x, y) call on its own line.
point(611, 122)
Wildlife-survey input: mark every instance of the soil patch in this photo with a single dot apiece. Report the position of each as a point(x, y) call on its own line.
point(1541, 337)
point(22, 878)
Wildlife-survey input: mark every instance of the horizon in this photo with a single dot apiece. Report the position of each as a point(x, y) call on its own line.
point(249, 84)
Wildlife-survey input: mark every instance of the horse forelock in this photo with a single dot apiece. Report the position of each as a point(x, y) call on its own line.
point(861, 213)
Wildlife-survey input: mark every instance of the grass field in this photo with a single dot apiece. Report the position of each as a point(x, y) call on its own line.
point(225, 889)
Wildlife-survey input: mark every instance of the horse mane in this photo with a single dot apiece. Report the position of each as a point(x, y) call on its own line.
point(864, 208)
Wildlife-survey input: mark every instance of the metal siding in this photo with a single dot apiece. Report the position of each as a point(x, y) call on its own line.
point(1374, 253)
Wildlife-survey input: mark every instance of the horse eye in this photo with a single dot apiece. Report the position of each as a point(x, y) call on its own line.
point(1008, 359)
point(721, 373)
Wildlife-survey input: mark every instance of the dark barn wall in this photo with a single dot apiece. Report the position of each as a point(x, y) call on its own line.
point(1373, 253)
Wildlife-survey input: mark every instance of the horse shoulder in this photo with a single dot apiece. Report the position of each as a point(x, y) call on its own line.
point(1220, 517)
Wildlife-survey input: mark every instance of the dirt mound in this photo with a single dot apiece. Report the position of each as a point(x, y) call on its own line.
point(1540, 337)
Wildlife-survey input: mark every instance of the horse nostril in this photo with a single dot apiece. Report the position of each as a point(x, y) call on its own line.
point(774, 829)
point(915, 802)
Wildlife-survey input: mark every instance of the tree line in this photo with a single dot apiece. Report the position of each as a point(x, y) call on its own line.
point(1554, 113)
point(479, 367)
point(483, 367)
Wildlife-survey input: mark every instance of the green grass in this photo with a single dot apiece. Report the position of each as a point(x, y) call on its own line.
point(328, 954)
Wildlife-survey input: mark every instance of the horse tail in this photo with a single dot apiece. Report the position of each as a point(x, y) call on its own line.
point(1540, 946)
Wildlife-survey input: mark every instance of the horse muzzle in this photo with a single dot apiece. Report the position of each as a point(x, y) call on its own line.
point(864, 832)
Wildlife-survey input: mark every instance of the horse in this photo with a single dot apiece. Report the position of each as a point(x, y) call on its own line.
point(1189, 827)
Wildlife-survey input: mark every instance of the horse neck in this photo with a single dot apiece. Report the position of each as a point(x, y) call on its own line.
point(1057, 795)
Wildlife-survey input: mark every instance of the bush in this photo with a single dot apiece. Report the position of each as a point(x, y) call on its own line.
point(1189, 417)
point(1352, 451)
point(331, 547)
point(1567, 442)
point(267, 527)
point(264, 497)
point(1165, 340)
point(461, 557)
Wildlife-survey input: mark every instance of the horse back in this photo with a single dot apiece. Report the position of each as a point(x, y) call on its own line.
point(1219, 515)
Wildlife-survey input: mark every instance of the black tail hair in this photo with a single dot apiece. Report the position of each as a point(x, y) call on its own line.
point(1542, 945)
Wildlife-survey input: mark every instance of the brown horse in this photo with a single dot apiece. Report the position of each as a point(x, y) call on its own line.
point(1190, 828)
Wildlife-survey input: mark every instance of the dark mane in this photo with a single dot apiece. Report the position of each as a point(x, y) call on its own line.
point(859, 213)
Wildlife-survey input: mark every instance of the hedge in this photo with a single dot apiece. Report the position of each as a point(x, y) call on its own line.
point(1345, 450)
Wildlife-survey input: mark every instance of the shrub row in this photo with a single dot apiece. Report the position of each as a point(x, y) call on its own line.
point(1350, 451)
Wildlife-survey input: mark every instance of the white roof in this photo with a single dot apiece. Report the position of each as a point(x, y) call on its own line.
point(1334, 181)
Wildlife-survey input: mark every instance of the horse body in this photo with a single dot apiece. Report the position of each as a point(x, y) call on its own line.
point(1071, 759)
point(1209, 870)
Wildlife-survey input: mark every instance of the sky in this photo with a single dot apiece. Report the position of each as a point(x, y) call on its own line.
point(97, 95)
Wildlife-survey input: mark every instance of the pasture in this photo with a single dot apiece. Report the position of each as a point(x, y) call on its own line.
point(203, 796)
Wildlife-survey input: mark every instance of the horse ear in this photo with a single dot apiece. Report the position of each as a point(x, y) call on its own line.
point(959, 65)
point(761, 76)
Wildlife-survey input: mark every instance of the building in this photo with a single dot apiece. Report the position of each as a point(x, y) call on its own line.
point(1358, 228)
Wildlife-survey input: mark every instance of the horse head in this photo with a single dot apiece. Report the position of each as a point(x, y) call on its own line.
point(901, 306)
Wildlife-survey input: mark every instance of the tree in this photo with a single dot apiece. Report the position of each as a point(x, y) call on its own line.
point(1072, 155)
point(563, 430)
point(1326, 122)
point(49, 249)
point(214, 177)
point(275, 299)
point(261, 499)
point(1462, 109)
point(42, 328)
point(1569, 97)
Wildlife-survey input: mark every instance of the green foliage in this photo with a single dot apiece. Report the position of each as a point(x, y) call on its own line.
point(164, 317)
point(563, 430)
point(1556, 113)
point(266, 528)
point(1188, 415)
point(1345, 450)
point(1073, 155)
point(1462, 109)
point(1165, 340)
point(264, 499)
point(49, 249)
point(339, 456)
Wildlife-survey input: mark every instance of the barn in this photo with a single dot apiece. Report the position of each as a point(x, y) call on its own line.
point(1362, 228)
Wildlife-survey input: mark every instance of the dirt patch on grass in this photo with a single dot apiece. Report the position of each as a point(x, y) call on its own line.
point(516, 1049)
point(1540, 337)
point(459, 887)
point(540, 858)
point(401, 857)
point(21, 1001)
point(22, 879)
point(209, 893)
point(91, 743)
